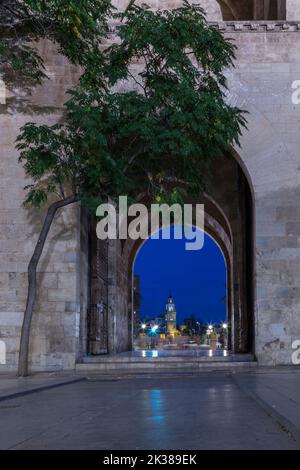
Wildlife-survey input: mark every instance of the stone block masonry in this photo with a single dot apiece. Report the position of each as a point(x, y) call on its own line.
point(267, 63)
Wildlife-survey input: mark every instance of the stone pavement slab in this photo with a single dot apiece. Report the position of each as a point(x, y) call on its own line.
point(208, 410)
point(277, 389)
point(12, 386)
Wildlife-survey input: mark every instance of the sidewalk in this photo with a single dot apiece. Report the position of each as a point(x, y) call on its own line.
point(226, 409)
point(277, 390)
point(12, 386)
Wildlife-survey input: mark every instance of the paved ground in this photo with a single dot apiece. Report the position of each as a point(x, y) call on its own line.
point(11, 385)
point(210, 410)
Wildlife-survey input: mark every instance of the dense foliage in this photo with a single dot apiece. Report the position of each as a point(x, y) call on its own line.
point(74, 25)
point(154, 127)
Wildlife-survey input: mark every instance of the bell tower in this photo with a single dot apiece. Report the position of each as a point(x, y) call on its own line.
point(170, 316)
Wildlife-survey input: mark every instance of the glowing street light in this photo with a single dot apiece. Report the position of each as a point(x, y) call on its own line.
point(154, 328)
point(210, 327)
point(225, 326)
point(144, 326)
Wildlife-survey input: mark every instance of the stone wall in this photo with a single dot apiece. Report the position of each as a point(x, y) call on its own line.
point(55, 327)
point(293, 10)
point(211, 7)
point(268, 61)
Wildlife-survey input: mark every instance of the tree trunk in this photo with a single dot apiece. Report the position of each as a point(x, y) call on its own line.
point(32, 283)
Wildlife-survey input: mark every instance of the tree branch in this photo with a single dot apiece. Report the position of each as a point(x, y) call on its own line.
point(131, 160)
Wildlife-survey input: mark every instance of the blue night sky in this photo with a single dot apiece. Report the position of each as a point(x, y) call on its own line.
point(196, 279)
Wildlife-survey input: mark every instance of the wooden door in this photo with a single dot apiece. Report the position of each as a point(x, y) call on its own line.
point(98, 311)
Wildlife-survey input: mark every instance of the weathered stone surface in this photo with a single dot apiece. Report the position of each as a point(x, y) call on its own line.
point(267, 63)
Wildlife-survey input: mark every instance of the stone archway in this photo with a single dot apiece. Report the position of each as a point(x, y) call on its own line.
point(107, 323)
point(218, 228)
point(229, 221)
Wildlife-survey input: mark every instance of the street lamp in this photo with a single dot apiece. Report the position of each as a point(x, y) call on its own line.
point(144, 326)
point(154, 329)
point(225, 335)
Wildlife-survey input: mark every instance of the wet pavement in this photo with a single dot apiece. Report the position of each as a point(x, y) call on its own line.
point(208, 410)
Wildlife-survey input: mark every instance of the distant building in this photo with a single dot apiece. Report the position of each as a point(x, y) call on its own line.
point(192, 325)
point(170, 317)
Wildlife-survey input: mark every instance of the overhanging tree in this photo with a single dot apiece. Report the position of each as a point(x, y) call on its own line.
point(159, 135)
point(75, 26)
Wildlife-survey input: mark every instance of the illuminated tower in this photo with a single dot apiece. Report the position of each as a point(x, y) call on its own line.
point(170, 316)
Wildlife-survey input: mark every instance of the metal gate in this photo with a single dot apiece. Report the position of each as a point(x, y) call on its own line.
point(98, 312)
